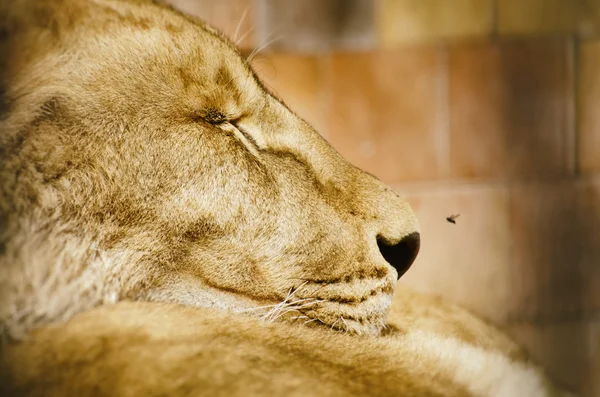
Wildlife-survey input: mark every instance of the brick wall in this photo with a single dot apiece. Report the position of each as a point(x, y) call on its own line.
point(487, 108)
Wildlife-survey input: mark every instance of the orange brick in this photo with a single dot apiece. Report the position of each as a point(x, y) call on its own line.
point(568, 350)
point(384, 112)
point(235, 18)
point(589, 213)
point(555, 250)
point(548, 16)
point(297, 79)
point(316, 25)
point(510, 110)
point(466, 261)
point(589, 103)
point(401, 21)
point(520, 252)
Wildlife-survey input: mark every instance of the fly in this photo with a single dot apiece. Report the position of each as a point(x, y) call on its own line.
point(452, 218)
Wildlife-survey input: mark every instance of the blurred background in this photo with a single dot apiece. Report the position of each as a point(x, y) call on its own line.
point(485, 108)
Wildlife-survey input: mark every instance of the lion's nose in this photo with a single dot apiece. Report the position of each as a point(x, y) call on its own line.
point(401, 254)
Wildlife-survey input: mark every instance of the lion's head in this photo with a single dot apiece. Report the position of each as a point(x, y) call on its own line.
point(146, 161)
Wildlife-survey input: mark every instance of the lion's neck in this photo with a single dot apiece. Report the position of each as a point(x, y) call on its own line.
point(49, 272)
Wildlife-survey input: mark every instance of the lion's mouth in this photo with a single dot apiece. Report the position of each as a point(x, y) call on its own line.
point(360, 307)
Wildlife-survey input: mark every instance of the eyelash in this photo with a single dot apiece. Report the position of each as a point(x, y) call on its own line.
point(217, 118)
point(249, 137)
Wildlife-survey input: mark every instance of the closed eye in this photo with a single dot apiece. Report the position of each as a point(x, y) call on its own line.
point(245, 133)
point(242, 134)
point(233, 125)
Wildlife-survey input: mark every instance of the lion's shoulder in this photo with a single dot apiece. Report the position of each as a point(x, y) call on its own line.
point(416, 310)
point(153, 348)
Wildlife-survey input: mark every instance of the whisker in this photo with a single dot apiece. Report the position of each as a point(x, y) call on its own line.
point(253, 309)
point(285, 307)
point(274, 311)
point(262, 47)
point(334, 323)
point(298, 317)
point(239, 25)
point(278, 308)
point(284, 304)
point(345, 325)
point(238, 41)
point(299, 279)
point(307, 302)
point(299, 287)
point(293, 309)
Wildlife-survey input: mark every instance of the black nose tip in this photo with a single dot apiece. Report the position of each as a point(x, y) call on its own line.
point(402, 254)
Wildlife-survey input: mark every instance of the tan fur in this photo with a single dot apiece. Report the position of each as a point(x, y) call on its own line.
point(141, 160)
point(162, 349)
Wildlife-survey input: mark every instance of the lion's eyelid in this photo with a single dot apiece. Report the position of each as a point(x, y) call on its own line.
point(235, 123)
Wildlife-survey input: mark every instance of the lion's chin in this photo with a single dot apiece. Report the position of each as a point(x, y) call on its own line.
point(364, 318)
point(358, 307)
point(365, 327)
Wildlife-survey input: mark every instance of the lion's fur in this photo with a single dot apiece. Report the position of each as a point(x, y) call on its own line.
point(141, 160)
point(226, 355)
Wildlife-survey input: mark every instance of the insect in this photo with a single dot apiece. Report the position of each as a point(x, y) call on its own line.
point(452, 218)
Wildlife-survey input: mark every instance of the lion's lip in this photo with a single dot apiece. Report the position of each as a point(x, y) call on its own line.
point(351, 293)
point(376, 306)
point(362, 325)
point(358, 307)
point(366, 316)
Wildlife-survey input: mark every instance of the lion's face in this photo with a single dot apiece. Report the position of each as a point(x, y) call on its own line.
point(169, 150)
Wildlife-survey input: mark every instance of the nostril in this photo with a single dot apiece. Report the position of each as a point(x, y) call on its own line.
point(401, 254)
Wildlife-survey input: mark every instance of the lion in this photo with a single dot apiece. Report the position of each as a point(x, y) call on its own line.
point(171, 227)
